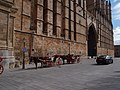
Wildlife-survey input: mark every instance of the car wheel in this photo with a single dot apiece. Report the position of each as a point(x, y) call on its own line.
point(98, 63)
point(107, 62)
point(112, 61)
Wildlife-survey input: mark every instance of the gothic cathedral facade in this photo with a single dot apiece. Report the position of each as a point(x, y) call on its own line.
point(81, 27)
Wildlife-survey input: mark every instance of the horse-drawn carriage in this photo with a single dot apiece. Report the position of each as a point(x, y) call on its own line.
point(55, 59)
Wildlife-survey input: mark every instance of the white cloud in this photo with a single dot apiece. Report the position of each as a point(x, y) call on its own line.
point(117, 35)
point(115, 0)
point(116, 17)
point(117, 42)
point(117, 6)
point(116, 11)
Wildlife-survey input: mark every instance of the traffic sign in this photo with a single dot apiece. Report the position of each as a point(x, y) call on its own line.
point(25, 49)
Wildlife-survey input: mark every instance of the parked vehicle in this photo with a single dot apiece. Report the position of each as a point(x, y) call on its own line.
point(1, 66)
point(104, 59)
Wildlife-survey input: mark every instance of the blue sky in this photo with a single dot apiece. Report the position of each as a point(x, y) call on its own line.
point(116, 20)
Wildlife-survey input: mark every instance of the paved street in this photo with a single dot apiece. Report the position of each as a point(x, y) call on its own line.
point(85, 75)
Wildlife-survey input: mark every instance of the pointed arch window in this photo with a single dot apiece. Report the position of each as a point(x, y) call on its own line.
point(33, 23)
point(63, 19)
point(45, 16)
point(69, 20)
point(54, 17)
point(79, 2)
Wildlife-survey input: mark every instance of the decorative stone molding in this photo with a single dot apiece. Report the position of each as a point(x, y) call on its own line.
point(9, 59)
point(6, 4)
point(13, 9)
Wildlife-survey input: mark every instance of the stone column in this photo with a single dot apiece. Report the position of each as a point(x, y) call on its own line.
point(6, 32)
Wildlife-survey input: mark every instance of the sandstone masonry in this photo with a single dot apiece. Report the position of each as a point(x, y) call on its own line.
point(55, 27)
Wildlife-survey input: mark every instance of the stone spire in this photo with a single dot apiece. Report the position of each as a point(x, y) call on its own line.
point(107, 9)
point(110, 11)
point(109, 3)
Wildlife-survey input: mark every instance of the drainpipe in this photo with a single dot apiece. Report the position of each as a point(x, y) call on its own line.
point(22, 16)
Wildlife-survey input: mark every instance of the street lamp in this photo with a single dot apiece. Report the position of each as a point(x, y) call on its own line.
point(24, 50)
point(69, 47)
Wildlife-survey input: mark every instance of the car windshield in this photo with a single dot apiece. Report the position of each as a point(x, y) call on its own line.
point(108, 57)
point(103, 56)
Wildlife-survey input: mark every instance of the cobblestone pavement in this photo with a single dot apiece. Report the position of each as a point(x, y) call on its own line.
point(85, 75)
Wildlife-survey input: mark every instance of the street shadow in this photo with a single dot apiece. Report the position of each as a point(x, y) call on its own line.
point(95, 64)
point(117, 71)
point(20, 69)
point(32, 68)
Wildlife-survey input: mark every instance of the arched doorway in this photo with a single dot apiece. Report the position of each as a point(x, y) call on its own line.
point(92, 41)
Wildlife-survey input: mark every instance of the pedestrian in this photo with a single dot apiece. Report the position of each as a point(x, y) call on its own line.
point(34, 55)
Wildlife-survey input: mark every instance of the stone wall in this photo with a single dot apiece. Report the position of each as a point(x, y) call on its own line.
point(3, 28)
point(6, 32)
point(17, 20)
point(49, 44)
point(53, 46)
point(20, 38)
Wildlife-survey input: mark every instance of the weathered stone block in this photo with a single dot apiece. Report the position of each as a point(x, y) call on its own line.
point(59, 20)
point(66, 12)
point(50, 4)
point(58, 7)
point(50, 16)
point(40, 13)
point(27, 7)
point(26, 23)
point(39, 27)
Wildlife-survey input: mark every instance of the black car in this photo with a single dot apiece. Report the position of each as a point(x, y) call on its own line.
point(104, 59)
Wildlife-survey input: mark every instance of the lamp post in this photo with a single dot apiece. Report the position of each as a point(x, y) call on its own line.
point(69, 47)
point(107, 51)
point(24, 50)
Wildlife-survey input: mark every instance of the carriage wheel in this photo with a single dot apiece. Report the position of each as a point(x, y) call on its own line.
point(78, 60)
point(1, 69)
point(59, 61)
